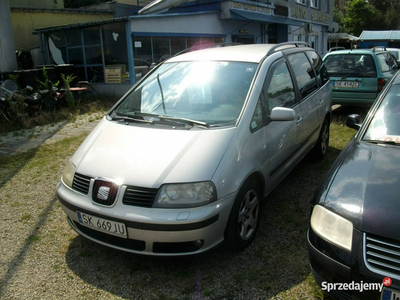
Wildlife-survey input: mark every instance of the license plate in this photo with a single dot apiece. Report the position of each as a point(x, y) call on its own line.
point(104, 225)
point(390, 294)
point(345, 84)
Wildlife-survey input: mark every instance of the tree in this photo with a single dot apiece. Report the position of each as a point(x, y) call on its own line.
point(338, 18)
point(359, 16)
point(362, 15)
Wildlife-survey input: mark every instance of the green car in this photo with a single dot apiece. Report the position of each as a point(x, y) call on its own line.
point(357, 76)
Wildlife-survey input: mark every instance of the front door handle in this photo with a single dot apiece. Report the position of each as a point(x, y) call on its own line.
point(299, 119)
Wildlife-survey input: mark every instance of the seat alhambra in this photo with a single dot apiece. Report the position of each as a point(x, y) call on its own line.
point(183, 161)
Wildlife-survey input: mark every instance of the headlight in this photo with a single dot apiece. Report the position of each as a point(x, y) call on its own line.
point(185, 195)
point(67, 175)
point(332, 227)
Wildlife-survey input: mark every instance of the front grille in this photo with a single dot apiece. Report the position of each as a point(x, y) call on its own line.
point(138, 196)
point(382, 255)
point(81, 183)
point(111, 239)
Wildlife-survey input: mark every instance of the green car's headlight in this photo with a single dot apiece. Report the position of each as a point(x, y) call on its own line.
point(68, 173)
point(185, 195)
point(332, 227)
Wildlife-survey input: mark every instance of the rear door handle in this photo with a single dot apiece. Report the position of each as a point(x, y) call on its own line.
point(321, 102)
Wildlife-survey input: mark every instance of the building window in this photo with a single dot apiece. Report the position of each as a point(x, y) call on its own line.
point(314, 3)
point(91, 49)
point(304, 2)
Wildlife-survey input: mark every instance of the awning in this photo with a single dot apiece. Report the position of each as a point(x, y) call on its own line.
point(375, 35)
point(341, 36)
point(79, 25)
point(247, 15)
point(395, 35)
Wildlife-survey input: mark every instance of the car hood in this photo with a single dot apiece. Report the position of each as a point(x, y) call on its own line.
point(149, 157)
point(364, 188)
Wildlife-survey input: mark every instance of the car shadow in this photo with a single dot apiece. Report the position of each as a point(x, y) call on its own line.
point(24, 143)
point(341, 112)
point(276, 262)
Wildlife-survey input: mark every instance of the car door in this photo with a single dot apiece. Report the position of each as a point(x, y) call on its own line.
point(281, 139)
point(310, 99)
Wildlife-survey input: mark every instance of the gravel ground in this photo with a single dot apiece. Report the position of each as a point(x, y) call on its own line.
point(43, 258)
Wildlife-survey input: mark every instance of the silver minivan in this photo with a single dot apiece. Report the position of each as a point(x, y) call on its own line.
point(183, 161)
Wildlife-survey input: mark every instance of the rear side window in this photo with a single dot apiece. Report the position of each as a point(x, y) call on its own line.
point(351, 65)
point(387, 62)
point(320, 70)
point(304, 73)
point(395, 54)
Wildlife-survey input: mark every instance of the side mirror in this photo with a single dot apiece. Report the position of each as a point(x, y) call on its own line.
point(353, 121)
point(282, 114)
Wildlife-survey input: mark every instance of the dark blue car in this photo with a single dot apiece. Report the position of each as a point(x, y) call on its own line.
point(354, 233)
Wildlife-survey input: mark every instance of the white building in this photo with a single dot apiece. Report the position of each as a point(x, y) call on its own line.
point(117, 52)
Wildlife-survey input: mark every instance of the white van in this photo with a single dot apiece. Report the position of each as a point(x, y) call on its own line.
point(183, 161)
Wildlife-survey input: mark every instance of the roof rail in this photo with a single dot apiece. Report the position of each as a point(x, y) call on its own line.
point(206, 46)
point(287, 45)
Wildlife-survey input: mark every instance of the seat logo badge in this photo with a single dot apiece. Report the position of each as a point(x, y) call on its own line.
point(103, 192)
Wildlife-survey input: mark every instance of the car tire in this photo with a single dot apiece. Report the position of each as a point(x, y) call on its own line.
point(321, 147)
point(244, 219)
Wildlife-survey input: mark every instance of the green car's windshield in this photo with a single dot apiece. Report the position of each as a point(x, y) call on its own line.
point(204, 91)
point(385, 125)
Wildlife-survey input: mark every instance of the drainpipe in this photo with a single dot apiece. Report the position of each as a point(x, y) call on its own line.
point(42, 49)
point(8, 59)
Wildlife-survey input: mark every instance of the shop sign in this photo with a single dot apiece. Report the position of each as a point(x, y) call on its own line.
point(321, 18)
point(250, 7)
point(113, 74)
point(298, 13)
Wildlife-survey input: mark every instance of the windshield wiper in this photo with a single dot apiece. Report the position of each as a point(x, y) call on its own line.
point(382, 142)
point(138, 117)
point(130, 119)
point(184, 120)
point(345, 76)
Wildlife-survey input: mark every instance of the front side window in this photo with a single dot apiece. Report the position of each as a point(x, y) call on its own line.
point(385, 125)
point(207, 91)
point(277, 91)
point(351, 65)
point(304, 73)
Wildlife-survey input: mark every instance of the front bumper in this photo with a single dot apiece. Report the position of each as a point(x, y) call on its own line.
point(152, 231)
point(329, 264)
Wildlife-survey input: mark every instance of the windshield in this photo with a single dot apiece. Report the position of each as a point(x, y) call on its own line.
point(385, 125)
point(350, 65)
point(206, 91)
